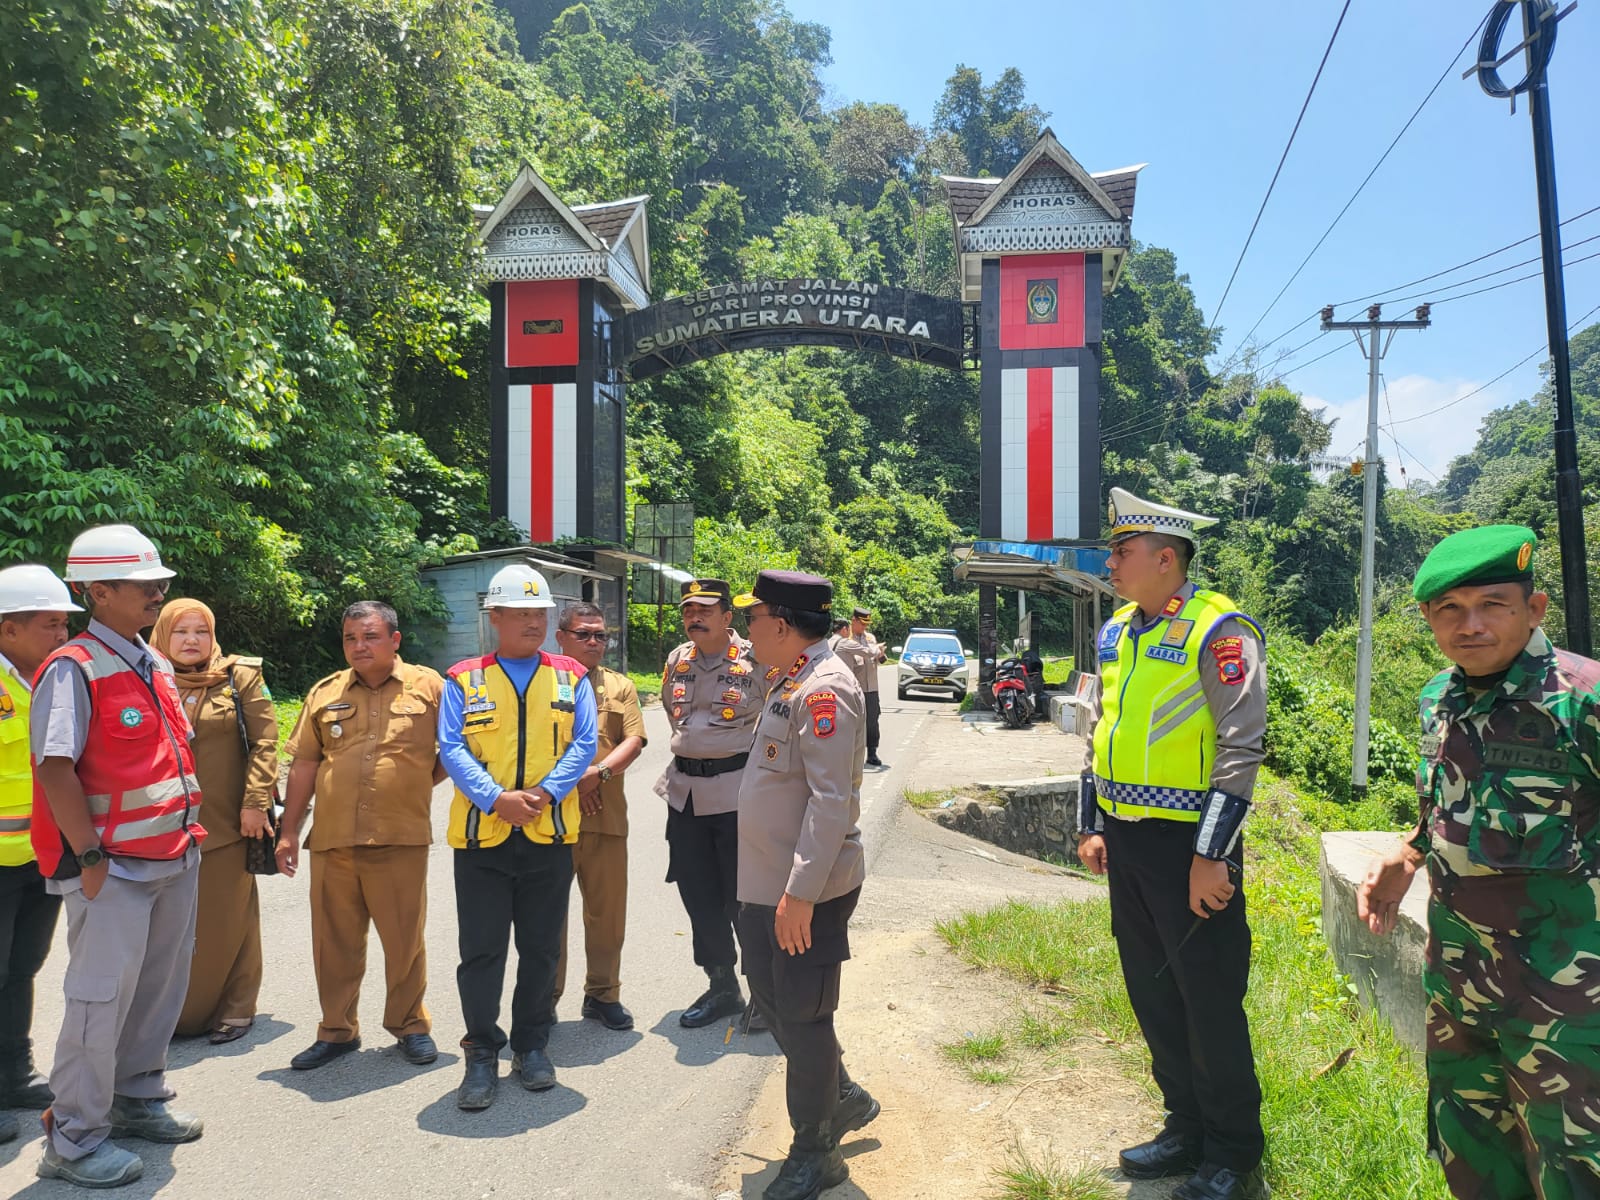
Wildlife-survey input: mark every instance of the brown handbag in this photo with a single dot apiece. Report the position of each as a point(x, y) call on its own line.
point(260, 853)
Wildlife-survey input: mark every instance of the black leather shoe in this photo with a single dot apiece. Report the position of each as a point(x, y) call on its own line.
point(814, 1163)
point(320, 1054)
point(722, 999)
point(418, 1048)
point(482, 1078)
point(874, 761)
point(609, 1013)
point(1212, 1182)
point(755, 1021)
point(534, 1070)
point(1164, 1156)
point(30, 1091)
point(856, 1110)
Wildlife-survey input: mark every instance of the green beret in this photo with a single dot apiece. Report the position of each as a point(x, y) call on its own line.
point(1476, 557)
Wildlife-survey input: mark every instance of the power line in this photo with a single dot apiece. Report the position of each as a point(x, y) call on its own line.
point(1470, 262)
point(1527, 262)
point(1217, 314)
point(1499, 377)
point(1308, 362)
point(1494, 287)
point(1382, 158)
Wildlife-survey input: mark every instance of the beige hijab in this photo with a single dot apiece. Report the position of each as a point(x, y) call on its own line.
point(205, 675)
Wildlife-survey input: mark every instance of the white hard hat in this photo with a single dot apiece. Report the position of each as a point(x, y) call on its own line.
point(32, 588)
point(114, 552)
point(518, 586)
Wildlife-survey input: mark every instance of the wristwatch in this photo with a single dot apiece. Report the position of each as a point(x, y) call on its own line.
point(604, 773)
point(92, 857)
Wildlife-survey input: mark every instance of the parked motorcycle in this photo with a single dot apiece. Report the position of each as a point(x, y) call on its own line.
point(1013, 693)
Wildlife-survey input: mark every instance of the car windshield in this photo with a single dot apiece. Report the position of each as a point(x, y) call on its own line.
point(931, 645)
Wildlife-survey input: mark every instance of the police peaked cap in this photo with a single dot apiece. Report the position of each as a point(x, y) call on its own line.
point(790, 589)
point(705, 591)
point(1132, 515)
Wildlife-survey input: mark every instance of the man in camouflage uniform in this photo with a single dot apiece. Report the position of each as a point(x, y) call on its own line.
point(1509, 792)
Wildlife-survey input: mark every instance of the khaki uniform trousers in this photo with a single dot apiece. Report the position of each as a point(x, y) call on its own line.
point(352, 888)
point(128, 954)
point(225, 977)
point(600, 862)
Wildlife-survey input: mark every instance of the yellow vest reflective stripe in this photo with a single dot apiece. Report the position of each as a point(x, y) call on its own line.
point(16, 773)
point(518, 739)
point(1156, 742)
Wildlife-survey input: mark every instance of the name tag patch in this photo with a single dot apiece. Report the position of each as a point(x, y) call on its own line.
point(479, 707)
point(564, 693)
point(1167, 654)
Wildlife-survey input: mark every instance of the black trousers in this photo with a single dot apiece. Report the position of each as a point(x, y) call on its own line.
point(874, 709)
point(1192, 1015)
point(27, 926)
point(703, 860)
point(799, 994)
point(518, 887)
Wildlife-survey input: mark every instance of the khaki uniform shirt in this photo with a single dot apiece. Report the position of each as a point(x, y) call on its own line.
point(874, 659)
point(800, 793)
point(712, 705)
point(617, 709)
point(375, 749)
point(228, 780)
point(856, 656)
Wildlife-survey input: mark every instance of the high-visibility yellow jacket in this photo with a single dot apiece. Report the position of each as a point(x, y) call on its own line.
point(518, 737)
point(16, 773)
point(1156, 741)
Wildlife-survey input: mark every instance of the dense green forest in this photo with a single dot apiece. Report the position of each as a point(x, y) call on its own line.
point(243, 310)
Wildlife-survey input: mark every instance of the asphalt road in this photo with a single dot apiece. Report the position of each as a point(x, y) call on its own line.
point(633, 1115)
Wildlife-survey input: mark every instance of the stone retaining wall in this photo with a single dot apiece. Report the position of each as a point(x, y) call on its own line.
point(1036, 817)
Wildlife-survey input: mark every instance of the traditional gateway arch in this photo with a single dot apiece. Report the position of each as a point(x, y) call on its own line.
point(572, 322)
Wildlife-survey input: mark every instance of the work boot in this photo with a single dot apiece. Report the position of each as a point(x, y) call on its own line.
point(108, 1165)
point(153, 1121)
point(482, 1078)
point(814, 1163)
point(856, 1110)
point(722, 999)
point(1163, 1156)
point(534, 1070)
point(1212, 1182)
point(20, 1085)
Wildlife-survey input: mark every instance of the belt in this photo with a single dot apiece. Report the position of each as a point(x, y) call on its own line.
point(705, 768)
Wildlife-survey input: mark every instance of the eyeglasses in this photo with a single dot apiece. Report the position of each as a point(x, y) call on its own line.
point(588, 635)
point(151, 587)
point(751, 614)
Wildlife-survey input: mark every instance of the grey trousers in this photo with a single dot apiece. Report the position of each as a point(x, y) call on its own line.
point(129, 951)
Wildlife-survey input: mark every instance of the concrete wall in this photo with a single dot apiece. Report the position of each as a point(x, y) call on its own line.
point(1038, 817)
point(1387, 971)
point(467, 633)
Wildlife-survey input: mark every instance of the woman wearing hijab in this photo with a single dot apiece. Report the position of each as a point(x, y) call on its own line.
point(236, 757)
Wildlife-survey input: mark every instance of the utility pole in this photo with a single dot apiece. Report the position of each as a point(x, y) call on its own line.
point(1375, 328)
point(1539, 18)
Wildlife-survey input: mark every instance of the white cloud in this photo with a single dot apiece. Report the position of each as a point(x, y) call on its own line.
point(1434, 440)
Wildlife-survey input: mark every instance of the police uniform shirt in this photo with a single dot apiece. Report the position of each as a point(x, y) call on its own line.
point(856, 656)
point(874, 658)
point(712, 704)
point(376, 749)
point(1236, 697)
point(617, 719)
point(800, 793)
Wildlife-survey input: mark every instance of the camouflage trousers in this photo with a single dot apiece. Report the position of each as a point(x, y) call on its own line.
point(1512, 1117)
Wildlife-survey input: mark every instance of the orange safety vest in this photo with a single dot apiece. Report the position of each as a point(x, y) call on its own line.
point(136, 767)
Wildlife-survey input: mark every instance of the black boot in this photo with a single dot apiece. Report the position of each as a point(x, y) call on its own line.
point(856, 1109)
point(722, 999)
point(20, 1085)
point(814, 1163)
point(482, 1078)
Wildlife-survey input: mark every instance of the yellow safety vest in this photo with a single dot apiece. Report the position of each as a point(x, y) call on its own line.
point(1156, 741)
point(518, 738)
point(16, 773)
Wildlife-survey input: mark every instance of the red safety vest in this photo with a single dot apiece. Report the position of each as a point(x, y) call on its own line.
point(136, 768)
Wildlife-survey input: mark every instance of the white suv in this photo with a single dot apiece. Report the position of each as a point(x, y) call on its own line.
point(933, 659)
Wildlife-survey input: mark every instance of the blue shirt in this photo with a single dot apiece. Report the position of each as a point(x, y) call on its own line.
point(469, 774)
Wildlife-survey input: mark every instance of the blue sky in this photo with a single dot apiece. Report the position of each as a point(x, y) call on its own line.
point(1207, 93)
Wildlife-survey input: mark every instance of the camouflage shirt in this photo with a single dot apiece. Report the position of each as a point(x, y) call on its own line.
point(1509, 790)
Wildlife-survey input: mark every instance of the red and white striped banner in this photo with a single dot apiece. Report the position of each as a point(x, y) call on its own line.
point(542, 468)
point(1039, 453)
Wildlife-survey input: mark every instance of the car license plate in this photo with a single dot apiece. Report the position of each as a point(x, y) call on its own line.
point(935, 682)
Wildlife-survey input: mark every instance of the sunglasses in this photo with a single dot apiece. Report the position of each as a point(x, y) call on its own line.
point(588, 635)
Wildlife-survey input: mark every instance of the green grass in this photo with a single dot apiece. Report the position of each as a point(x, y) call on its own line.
point(288, 714)
point(1302, 1016)
point(1024, 1177)
point(648, 683)
point(931, 798)
point(1056, 671)
point(975, 1048)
